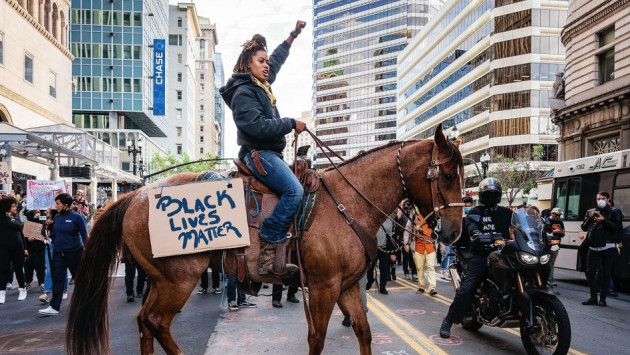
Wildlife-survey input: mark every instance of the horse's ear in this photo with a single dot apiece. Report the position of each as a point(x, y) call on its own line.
point(439, 137)
point(457, 143)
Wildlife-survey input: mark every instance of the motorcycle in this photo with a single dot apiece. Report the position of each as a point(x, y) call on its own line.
point(514, 292)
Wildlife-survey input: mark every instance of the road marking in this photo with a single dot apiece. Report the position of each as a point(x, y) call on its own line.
point(447, 301)
point(410, 335)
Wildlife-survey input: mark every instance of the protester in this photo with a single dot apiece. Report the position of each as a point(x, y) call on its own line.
point(81, 203)
point(555, 227)
point(231, 291)
point(12, 247)
point(36, 250)
point(131, 266)
point(204, 283)
point(260, 133)
point(382, 234)
point(409, 267)
point(276, 295)
point(69, 236)
point(422, 249)
point(603, 224)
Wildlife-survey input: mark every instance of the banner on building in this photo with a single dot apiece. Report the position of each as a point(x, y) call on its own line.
point(5, 173)
point(197, 217)
point(40, 194)
point(159, 78)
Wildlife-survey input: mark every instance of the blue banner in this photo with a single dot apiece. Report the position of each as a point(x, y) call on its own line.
point(159, 77)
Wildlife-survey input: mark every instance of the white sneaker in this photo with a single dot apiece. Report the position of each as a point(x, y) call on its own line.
point(22, 295)
point(49, 311)
point(43, 298)
point(3, 295)
point(65, 296)
point(9, 286)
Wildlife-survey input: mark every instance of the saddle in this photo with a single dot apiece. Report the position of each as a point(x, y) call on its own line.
point(260, 202)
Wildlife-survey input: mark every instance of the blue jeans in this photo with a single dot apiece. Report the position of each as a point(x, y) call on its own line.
point(447, 260)
point(230, 290)
point(48, 276)
point(281, 180)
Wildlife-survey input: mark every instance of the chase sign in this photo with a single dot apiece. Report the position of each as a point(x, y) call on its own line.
point(159, 77)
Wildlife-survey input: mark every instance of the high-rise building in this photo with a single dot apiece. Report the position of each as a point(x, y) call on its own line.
point(184, 28)
point(207, 131)
point(304, 139)
point(355, 48)
point(487, 68)
point(118, 72)
point(597, 95)
point(219, 110)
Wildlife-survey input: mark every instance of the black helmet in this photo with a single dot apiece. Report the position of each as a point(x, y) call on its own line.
point(490, 192)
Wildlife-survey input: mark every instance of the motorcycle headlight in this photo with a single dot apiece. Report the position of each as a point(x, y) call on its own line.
point(527, 258)
point(545, 258)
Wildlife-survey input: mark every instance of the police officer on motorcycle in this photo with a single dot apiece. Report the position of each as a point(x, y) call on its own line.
point(485, 224)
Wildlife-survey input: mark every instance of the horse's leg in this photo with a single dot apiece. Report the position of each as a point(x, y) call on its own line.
point(322, 301)
point(350, 304)
point(164, 301)
point(146, 337)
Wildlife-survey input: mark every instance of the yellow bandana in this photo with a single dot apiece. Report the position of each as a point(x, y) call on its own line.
point(267, 87)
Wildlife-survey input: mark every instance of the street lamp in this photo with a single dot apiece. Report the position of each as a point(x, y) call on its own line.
point(485, 161)
point(135, 151)
point(454, 133)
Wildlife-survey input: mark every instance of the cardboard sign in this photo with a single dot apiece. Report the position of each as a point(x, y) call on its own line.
point(32, 229)
point(197, 217)
point(5, 174)
point(40, 194)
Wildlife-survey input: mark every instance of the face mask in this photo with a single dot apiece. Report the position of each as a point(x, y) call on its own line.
point(601, 204)
point(467, 209)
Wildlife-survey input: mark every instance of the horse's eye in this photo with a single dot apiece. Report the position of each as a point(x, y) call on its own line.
point(448, 177)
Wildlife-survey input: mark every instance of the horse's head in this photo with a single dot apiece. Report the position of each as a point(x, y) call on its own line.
point(437, 185)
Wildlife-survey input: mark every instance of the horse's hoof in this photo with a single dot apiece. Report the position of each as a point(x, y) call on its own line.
point(347, 322)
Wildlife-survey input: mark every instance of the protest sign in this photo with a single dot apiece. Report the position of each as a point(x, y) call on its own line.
point(40, 194)
point(5, 173)
point(197, 217)
point(32, 229)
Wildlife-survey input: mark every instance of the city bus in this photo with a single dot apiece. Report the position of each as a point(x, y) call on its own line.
point(575, 186)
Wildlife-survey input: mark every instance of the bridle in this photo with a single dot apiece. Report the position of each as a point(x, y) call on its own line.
point(433, 174)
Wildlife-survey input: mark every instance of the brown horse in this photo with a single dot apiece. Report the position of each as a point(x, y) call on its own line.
point(333, 257)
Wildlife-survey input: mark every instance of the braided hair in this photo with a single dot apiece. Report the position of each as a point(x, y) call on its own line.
point(257, 43)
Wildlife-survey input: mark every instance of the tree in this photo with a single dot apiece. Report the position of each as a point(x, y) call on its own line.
point(161, 162)
point(518, 174)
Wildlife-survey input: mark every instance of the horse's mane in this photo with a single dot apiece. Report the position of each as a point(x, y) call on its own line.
point(458, 157)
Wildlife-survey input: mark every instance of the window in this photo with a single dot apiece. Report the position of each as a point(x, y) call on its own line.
point(126, 166)
point(200, 139)
point(568, 198)
point(201, 107)
point(28, 67)
point(1, 48)
point(200, 128)
point(179, 131)
point(175, 40)
point(179, 148)
point(200, 117)
point(202, 86)
point(179, 95)
point(127, 19)
point(607, 57)
point(52, 85)
point(201, 150)
point(202, 76)
point(179, 22)
point(137, 19)
point(606, 145)
point(179, 58)
point(178, 113)
point(179, 77)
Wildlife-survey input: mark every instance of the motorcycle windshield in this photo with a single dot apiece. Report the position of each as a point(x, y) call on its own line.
point(529, 228)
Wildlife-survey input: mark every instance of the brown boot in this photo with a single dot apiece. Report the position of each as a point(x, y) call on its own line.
point(273, 260)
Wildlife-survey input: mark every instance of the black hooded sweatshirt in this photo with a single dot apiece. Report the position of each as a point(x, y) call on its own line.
point(258, 123)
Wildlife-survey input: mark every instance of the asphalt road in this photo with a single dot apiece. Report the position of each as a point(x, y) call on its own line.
point(402, 322)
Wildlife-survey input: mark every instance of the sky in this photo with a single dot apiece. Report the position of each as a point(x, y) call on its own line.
point(237, 21)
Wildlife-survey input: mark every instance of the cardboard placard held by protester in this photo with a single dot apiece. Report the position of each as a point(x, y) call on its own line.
point(33, 229)
point(197, 217)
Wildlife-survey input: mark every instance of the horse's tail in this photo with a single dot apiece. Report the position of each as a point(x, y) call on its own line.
point(87, 330)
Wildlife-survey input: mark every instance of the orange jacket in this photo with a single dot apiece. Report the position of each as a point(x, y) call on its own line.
point(424, 243)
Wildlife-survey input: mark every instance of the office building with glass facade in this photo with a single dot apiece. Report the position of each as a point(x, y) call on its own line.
point(486, 67)
point(219, 110)
point(356, 43)
point(112, 42)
